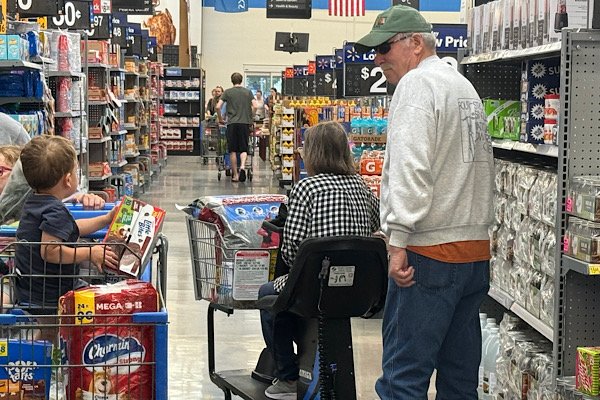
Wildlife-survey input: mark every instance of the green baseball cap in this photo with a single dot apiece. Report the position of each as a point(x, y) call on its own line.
point(396, 19)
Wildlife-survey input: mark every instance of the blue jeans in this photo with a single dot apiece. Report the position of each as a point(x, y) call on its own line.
point(433, 324)
point(279, 332)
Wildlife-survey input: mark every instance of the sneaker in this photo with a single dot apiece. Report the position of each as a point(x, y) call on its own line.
point(282, 390)
point(242, 175)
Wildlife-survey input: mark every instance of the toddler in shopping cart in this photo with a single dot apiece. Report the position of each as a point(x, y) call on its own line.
point(47, 269)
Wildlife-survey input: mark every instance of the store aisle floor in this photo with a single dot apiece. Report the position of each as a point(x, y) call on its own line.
point(238, 338)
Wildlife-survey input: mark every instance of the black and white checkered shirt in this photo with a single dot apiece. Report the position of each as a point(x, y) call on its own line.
point(327, 205)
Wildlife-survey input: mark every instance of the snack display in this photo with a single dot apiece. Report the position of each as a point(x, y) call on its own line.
point(583, 198)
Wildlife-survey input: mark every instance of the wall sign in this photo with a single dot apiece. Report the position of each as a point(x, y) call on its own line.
point(76, 14)
point(361, 76)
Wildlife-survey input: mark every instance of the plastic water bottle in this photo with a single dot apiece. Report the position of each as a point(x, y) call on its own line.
point(485, 332)
point(492, 347)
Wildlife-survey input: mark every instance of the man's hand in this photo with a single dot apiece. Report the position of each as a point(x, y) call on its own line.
point(103, 255)
point(398, 268)
point(90, 201)
point(111, 215)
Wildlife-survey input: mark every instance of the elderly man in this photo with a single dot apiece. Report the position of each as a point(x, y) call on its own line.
point(436, 207)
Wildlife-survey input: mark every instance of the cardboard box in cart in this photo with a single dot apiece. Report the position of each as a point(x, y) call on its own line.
point(25, 369)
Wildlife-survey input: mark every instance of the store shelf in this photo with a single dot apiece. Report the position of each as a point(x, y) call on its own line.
point(115, 69)
point(143, 148)
point(19, 64)
point(131, 73)
point(548, 50)
point(99, 178)
point(579, 266)
point(181, 101)
point(97, 103)
point(14, 100)
point(131, 127)
point(541, 149)
point(181, 88)
point(182, 115)
point(98, 65)
point(143, 76)
point(42, 60)
point(180, 126)
point(118, 133)
point(118, 164)
point(66, 74)
point(131, 155)
point(99, 141)
point(508, 302)
point(70, 114)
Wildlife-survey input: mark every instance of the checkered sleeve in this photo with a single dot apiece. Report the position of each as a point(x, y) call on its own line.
point(374, 210)
point(296, 227)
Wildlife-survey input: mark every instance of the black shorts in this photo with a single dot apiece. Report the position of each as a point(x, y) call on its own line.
point(237, 138)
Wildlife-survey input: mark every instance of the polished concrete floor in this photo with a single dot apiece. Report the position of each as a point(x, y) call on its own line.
point(238, 337)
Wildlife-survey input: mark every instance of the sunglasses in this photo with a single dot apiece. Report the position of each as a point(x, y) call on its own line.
point(4, 169)
point(385, 47)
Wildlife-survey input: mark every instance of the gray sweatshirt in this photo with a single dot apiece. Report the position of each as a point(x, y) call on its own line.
point(438, 172)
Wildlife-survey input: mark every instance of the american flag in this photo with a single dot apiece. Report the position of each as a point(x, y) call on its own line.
point(347, 8)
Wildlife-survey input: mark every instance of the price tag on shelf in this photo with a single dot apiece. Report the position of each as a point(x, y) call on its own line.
point(594, 269)
point(361, 76)
point(76, 14)
point(3, 16)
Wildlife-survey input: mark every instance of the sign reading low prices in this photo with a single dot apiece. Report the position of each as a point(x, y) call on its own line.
point(34, 8)
point(450, 37)
point(75, 15)
point(361, 76)
point(325, 76)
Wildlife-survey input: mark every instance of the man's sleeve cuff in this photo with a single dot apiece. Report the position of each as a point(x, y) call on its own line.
point(398, 239)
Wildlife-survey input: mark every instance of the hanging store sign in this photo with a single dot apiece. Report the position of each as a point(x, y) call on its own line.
point(300, 87)
point(102, 7)
point(139, 7)
point(361, 76)
point(34, 8)
point(325, 76)
point(134, 39)
point(75, 15)
point(288, 89)
point(450, 37)
point(101, 27)
point(312, 69)
point(153, 50)
point(291, 9)
point(119, 29)
point(339, 73)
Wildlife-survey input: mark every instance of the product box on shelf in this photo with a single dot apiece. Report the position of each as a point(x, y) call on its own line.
point(97, 51)
point(587, 377)
point(524, 23)
point(583, 197)
point(531, 23)
point(3, 48)
point(486, 26)
point(496, 111)
point(496, 25)
point(477, 29)
point(506, 37)
point(532, 131)
point(516, 25)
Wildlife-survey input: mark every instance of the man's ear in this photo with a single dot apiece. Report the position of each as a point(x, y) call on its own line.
point(68, 180)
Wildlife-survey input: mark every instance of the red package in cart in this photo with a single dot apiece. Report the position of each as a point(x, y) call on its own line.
point(109, 358)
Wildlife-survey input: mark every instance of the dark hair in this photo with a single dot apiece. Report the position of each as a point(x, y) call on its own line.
point(274, 89)
point(259, 91)
point(46, 160)
point(326, 150)
point(236, 78)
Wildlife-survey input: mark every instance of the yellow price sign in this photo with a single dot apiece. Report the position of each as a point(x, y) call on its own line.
point(41, 21)
point(594, 269)
point(3, 16)
point(4, 348)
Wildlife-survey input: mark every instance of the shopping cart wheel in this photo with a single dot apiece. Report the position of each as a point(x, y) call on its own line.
point(228, 172)
point(217, 160)
point(219, 175)
point(205, 160)
point(250, 176)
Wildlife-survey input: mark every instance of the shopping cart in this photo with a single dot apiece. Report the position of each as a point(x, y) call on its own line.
point(210, 140)
point(120, 355)
point(228, 278)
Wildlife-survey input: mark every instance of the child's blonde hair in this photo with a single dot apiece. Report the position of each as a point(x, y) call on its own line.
point(10, 153)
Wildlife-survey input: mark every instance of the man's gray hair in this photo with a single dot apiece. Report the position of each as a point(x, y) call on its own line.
point(429, 40)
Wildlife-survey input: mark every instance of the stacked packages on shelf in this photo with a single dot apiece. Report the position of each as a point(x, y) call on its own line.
point(582, 238)
point(523, 238)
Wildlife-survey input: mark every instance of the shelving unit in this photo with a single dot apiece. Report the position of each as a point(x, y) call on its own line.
point(158, 150)
point(497, 75)
point(182, 105)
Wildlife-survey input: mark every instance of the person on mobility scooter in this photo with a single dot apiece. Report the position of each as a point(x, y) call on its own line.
point(333, 201)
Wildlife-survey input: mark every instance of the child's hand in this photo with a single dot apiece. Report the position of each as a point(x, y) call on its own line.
point(103, 255)
point(111, 215)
